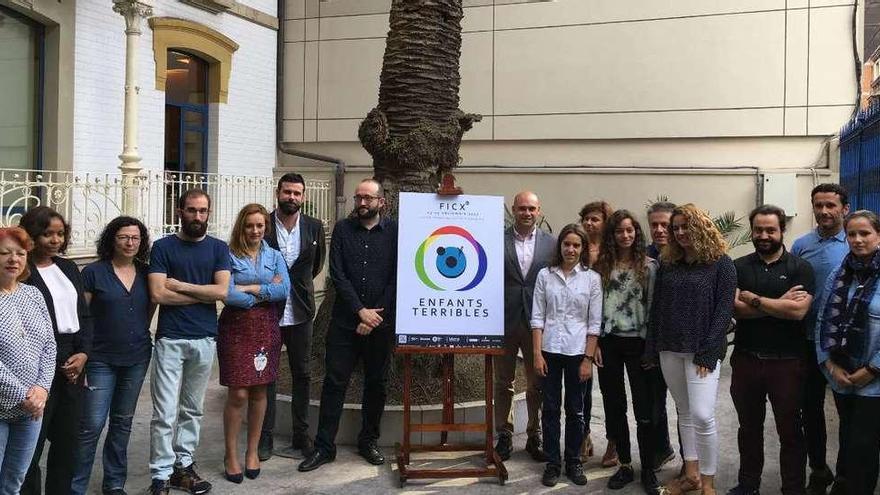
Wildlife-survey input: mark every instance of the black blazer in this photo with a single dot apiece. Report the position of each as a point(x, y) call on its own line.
point(307, 266)
point(68, 344)
point(519, 288)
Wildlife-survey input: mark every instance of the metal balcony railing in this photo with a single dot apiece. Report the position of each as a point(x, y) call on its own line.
point(89, 200)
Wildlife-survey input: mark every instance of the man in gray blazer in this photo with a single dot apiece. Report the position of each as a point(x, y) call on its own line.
point(527, 249)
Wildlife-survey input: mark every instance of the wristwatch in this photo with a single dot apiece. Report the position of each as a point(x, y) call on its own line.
point(589, 358)
point(756, 302)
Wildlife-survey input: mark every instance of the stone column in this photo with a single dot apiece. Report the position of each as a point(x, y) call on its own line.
point(134, 12)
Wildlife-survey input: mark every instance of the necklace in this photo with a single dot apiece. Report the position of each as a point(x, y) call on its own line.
point(10, 291)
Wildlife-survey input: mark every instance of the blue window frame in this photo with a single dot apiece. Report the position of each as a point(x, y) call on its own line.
point(186, 113)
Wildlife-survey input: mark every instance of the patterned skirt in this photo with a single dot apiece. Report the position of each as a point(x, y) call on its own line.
point(248, 345)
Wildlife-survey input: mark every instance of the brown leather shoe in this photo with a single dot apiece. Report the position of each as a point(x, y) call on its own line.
point(610, 458)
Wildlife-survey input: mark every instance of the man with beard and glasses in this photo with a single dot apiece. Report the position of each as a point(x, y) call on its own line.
point(774, 294)
point(824, 248)
point(300, 238)
point(363, 266)
point(189, 272)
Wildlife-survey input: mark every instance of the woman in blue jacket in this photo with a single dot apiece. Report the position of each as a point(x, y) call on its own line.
point(848, 351)
point(249, 339)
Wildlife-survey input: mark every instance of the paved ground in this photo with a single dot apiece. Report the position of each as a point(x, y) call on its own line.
point(351, 475)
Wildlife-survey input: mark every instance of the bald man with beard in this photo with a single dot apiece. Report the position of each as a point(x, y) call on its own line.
point(527, 249)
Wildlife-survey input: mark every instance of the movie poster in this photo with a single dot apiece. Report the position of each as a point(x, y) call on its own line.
point(450, 271)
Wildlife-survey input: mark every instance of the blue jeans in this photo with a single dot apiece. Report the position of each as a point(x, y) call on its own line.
point(112, 391)
point(180, 374)
point(18, 439)
point(562, 369)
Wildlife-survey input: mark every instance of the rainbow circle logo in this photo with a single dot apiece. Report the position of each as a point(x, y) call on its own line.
point(454, 266)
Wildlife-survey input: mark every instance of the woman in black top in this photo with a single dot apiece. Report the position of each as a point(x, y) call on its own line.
point(59, 281)
point(116, 288)
point(690, 314)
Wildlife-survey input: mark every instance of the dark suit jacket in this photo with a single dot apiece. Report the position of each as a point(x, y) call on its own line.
point(307, 266)
point(519, 287)
point(68, 344)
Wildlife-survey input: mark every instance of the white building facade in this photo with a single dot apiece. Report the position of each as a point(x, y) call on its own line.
point(205, 102)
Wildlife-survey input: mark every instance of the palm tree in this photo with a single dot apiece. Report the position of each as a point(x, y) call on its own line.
point(414, 135)
point(415, 131)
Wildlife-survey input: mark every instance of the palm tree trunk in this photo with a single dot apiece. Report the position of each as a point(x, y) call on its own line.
point(415, 132)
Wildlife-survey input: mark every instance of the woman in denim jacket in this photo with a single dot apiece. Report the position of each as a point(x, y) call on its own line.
point(248, 338)
point(848, 351)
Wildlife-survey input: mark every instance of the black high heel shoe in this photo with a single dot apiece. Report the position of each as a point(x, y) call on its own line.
point(232, 478)
point(251, 473)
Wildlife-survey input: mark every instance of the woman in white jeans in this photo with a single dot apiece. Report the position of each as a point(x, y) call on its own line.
point(692, 308)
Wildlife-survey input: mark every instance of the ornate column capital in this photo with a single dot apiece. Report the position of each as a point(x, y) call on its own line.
point(133, 11)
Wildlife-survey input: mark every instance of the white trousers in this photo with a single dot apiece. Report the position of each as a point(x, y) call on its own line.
point(695, 399)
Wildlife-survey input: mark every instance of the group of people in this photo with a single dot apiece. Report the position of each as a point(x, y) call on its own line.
point(601, 297)
point(75, 347)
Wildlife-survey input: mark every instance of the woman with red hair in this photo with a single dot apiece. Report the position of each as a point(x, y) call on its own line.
point(27, 360)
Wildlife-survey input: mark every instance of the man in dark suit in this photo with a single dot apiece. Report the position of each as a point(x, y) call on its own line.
point(300, 238)
point(527, 249)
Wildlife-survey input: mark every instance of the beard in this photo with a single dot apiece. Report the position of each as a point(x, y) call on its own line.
point(366, 213)
point(195, 228)
point(767, 247)
point(289, 207)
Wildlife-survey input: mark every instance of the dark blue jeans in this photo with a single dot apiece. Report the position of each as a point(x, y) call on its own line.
point(112, 391)
point(18, 439)
point(563, 369)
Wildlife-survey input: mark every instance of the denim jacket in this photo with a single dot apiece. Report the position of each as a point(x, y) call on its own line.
point(872, 343)
point(270, 262)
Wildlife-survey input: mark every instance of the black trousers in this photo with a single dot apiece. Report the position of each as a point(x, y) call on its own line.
point(621, 354)
point(344, 349)
point(662, 445)
point(562, 369)
point(857, 462)
point(298, 341)
point(814, 410)
point(61, 427)
point(754, 382)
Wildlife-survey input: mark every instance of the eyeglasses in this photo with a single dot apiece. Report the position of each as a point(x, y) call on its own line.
point(128, 238)
point(365, 198)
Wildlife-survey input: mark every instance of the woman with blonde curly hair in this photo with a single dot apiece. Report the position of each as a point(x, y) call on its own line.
point(691, 311)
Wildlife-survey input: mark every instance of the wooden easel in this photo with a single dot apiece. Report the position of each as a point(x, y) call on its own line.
point(494, 467)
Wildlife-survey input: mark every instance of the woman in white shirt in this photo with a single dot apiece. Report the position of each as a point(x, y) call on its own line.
point(60, 282)
point(566, 319)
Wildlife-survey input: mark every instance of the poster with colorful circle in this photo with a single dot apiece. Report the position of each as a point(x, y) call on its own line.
point(450, 272)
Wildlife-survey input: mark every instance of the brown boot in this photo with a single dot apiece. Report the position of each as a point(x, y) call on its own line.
point(610, 458)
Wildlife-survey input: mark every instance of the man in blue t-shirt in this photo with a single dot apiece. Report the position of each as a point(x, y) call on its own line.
point(824, 248)
point(189, 273)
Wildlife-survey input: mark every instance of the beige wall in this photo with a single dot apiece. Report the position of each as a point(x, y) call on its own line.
point(604, 69)
point(59, 21)
point(620, 100)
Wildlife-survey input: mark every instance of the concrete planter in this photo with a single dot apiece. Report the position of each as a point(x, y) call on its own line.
point(392, 421)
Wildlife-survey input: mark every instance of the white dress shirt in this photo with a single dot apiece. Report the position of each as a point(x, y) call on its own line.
point(64, 298)
point(289, 243)
point(525, 250)
point(568, 309)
